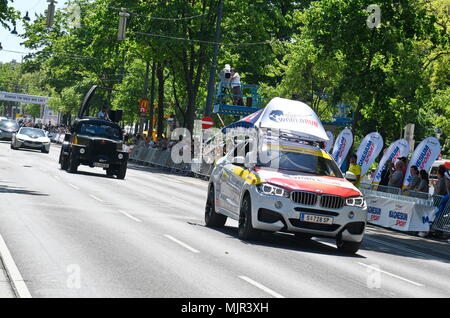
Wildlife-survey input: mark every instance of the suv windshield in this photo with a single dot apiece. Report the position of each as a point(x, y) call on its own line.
point(304, 160)
point(32, 132)
point(9, 125)
point(100, 130)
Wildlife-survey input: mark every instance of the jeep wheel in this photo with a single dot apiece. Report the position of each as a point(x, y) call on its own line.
point(73, 164)
point(109, 172)
point(245, 228)
point(212, 218)
point(63, 162)
point(348, 247)
point(122, 171)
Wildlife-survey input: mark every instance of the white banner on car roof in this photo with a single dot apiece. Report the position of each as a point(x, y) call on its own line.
point(329, 144)
point(293, 116)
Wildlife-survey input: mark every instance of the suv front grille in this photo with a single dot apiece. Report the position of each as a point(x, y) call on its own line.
point(305, 198)
point(331, 201)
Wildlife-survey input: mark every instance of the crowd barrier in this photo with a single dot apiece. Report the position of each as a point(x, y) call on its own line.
point(145, 155)
point(418, 214)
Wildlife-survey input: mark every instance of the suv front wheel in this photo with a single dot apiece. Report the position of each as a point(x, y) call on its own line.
point(245, 228)
point(348, 247)
point(73, 164)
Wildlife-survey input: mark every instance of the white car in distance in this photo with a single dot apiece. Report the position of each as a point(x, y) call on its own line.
point(31, 138)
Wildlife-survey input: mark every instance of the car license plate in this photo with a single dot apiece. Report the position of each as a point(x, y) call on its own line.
point(316, 218)
point(101, 165)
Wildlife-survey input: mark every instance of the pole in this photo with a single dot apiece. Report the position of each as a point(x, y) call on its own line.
point(212, 74)
point(147, 70)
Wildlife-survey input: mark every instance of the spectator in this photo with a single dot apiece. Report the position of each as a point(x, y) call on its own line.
point(446, 197)
point(396, 179)
point(439, 186)
point(356, 169)
point(103, 114)
point(387, 172)
point(424, 182)
point(415, 180)
point(236, 88)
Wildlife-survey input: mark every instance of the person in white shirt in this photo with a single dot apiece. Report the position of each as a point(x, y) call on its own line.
point(103, 114)
point(236, 88)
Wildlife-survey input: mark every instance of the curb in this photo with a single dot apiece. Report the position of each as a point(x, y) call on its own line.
point(17, 283)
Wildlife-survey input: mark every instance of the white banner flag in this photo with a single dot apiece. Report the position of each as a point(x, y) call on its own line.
point(342, 146)
point(423, 157)
point(329, 144)
point(399, 148)
point(368, 151)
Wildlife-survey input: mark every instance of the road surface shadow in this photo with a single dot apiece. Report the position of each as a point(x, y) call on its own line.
point(404, 246)
point(288, 242)
point(94, 174)
point(8, 189)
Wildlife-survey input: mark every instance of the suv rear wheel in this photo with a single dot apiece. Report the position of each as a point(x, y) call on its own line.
point(212, 218)
point(63, 162)
point(73, 164)
point(245, 228)
point(122, 171)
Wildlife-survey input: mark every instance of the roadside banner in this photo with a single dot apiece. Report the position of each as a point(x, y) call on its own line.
point(368, 150)
point(399, 148)
point(342, 146)
point(423, 157)
point(329, 144)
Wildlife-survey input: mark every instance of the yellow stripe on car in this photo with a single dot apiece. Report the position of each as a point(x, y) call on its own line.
point(317, 153)
point(247, 175)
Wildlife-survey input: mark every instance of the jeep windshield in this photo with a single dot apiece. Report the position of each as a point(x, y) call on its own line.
point(301, 160)
point(100, 130)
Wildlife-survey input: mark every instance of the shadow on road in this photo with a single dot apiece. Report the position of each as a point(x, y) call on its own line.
point(94, 174)
point(288, 242)
point(8, 189)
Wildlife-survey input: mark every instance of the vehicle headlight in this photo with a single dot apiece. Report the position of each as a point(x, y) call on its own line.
point(120, 156)
point(355, 201)
point(82, 151)
point(269, 189)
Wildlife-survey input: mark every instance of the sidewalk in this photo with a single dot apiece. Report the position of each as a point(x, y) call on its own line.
point(6, 290)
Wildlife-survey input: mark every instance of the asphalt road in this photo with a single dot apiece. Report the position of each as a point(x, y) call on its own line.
point(88, 235)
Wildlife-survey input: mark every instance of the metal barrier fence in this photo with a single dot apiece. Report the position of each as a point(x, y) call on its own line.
point(442, 221)
point(162, 159)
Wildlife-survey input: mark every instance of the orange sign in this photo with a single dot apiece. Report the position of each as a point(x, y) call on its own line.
point(143, 105)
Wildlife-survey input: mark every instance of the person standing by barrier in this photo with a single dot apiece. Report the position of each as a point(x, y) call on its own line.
point(446, 197)
point(415, 180)
point(439, 186)
point(356, 169)
point(396, 179)
point(424, 182)
point(387, 172)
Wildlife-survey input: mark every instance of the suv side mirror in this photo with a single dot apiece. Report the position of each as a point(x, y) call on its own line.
point(350, 176)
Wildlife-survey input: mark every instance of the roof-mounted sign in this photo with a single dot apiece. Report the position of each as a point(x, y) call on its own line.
point(23, 98)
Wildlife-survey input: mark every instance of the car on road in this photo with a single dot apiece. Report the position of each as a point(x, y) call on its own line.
point(94, 142)
point(8, 128)
point(305, 193)
point(31, 138)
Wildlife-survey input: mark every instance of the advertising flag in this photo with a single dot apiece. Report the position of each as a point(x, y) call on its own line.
point(368, 151)
point(329, 144)
point(342, 146)
point(399, 148)
point(423, 157)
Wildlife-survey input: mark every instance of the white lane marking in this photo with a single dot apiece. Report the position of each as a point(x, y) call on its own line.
point(181, 243)
point(17, 282)
point(262, 287)
point(404, 248)
point(74, 186)
point(95, 198)
point(130, 216)
point(393, 275)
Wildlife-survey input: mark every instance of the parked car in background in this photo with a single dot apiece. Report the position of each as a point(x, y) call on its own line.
point(8, 128)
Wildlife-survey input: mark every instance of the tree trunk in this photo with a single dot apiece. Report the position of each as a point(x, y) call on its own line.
point(160, 75)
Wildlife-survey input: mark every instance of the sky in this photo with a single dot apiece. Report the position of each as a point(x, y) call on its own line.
point(12, 42)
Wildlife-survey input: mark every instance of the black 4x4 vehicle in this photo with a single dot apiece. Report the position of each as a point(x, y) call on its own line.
point(94, 142)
